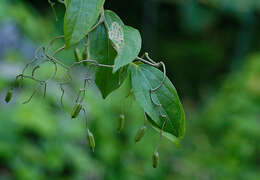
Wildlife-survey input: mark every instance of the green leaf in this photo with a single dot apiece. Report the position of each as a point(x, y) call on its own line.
point(111, 17)
point(80, 16)
point(67, 2)
point(118, 97)
point(101, 50)
point(169, 136)
point(126, 40)
point(115, 29)
point(145, 77)
point(129, 49)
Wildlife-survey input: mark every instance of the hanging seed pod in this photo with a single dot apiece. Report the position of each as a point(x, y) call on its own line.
point(121, 123)
point(91, 140)
point(155, 159)
point(77, 54)
point(8, 96)
point(140, 133)
point(76, 110)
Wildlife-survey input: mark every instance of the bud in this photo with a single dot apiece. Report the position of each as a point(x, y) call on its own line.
point(155, 159)
point(121, 123)
point(140, 133)
point(8, 96)
point(91, 140)
point(76, 110)
point(77, 55)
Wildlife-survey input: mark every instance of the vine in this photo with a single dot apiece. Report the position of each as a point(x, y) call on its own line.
point(105, 35)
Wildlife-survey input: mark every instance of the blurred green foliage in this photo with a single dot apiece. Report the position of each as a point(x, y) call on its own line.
point(40, 141)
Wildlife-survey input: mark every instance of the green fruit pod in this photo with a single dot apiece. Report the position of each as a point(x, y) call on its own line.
point(76, 110)
point(77, 54)
point(140, 133)
point(9, 96)
point(155, 159)
point(121, 123)
point(91, 140)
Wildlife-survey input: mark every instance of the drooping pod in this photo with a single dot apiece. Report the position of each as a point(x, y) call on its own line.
point(76, 110)
point(140, 133)
point(121, 123)
point(77, 54)
point(155, 159)
point(91, 140)
point(9, 96)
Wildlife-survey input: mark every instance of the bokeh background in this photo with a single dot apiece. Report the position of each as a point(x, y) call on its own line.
point(212, 52)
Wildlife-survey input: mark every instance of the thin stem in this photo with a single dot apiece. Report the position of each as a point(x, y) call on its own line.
point(147, 56)
point(55, 71)
point(86, 117)
point(30, 98)
point(34, 69)
point(161, 132)
point(147, 62)
point(58, 50)
point(52, 41)
point(164, 77)
point(37, 51)
point(62, 94)
point(57, 61)
point(45, 89)
point(157, 104)
point(84, 88)
point(153, 63)
point(145, 118)
point(100, 21)
point(53, 9)
point(93, 62)
point(30, 77)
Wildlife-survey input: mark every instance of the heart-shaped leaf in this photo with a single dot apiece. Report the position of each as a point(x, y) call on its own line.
point(144, 78)
point(80, 16)
point(126, 40)
point(129, 48)
point(101, 50)
point(112, 17)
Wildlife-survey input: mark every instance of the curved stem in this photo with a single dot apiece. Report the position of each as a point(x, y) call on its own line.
point(154, 64)
point(164, 77)
point(30, 98)
point(58, 50)
point(52, 41)
point(34, 69)
point(62, 94)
